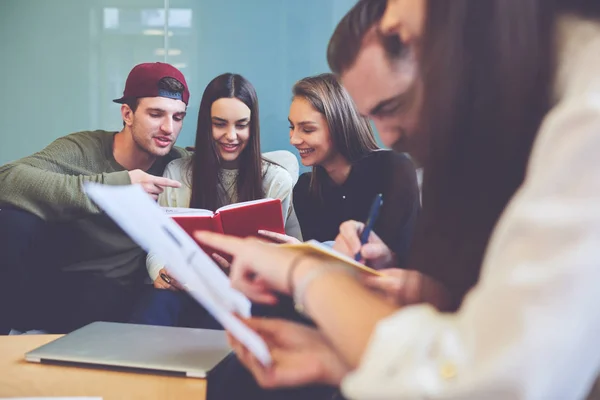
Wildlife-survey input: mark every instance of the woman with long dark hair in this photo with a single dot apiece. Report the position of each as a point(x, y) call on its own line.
point(226, 167)
point(512, 122)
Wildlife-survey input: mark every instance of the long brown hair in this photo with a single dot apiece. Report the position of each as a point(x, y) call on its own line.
point(206, 160)
point(351, 134)
point(488, 67)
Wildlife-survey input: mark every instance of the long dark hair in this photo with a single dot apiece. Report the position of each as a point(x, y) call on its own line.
point(350, 133)
point(488, 68)
point(206, 160)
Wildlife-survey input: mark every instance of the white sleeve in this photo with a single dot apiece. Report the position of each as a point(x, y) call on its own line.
point(279, 185)
point(177, 170)
point(154, 265)
point(530, 328)
point(171, 197)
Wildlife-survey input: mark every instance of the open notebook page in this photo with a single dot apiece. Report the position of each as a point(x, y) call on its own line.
point(244, 204)
point(318, 248)
point(148, 225)
point(187, 212)
point(182, 211)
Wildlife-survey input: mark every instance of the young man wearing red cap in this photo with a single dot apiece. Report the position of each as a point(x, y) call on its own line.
point(64, 263)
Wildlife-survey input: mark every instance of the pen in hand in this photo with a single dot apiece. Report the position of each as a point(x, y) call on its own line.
point(373, 214)
point(165, 278)
point(173, 284)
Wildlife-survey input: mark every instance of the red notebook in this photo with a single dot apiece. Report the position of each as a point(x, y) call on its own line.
point(239, 219)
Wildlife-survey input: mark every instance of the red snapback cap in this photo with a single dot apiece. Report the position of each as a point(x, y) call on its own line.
point(143, 80)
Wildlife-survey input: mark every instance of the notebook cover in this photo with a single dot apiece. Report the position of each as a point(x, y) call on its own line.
point(247, 220)
point(191, 224)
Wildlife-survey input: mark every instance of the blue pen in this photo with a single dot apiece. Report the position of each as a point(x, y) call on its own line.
point(373, 213)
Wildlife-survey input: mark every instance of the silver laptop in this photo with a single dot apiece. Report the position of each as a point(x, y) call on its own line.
point(180, 351)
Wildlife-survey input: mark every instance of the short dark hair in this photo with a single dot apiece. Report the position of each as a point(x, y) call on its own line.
point(132, 103)
point(171, 85)
point(166, 83)
point(346, 41)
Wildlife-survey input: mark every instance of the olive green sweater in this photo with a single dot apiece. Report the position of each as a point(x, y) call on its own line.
point(48, 184)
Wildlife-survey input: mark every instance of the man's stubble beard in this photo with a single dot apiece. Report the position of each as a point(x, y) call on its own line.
point(148, 149)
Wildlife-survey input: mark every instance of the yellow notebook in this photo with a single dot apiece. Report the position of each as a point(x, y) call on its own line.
point(319, 249)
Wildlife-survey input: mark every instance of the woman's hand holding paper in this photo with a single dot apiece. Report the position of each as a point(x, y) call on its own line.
point(300, 355)
point(258, 269)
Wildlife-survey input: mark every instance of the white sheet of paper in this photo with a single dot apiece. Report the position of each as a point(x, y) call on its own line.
point(149, 226)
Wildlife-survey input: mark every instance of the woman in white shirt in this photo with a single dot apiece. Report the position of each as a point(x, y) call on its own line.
point(226, 167)
point(501, 77)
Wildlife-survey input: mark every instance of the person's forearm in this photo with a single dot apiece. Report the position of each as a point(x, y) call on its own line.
point(345, 311)
point(50, 195)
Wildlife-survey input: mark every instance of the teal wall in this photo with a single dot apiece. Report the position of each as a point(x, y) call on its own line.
point(63, 61)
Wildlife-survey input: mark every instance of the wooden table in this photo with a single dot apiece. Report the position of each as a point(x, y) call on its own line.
point(21, 378)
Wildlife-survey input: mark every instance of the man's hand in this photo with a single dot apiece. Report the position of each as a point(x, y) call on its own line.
point(161, 283)
point(153, 185)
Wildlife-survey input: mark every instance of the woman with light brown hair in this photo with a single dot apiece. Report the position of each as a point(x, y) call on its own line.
point(348, 168)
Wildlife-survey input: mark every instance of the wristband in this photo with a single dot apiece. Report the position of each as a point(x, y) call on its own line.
point(300, 290)
point(290, 274)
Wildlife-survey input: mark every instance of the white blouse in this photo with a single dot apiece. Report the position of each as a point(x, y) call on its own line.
point(530, 329)
point(277, 184)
